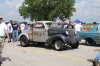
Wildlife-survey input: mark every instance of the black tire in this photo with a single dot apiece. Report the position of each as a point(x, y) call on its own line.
point(58, 45)
point(24, 41)
point(75, 45)
point(90, 42)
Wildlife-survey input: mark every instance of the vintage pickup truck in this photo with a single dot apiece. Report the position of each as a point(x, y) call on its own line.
point(92, 37)
point(46, 32)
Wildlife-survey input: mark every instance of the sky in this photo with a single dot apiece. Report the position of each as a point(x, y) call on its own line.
point(86, 10)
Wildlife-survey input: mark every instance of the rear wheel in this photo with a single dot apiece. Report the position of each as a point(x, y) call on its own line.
point(24, 41)
point(90, 41)
point(75, 45)
point(58, 45)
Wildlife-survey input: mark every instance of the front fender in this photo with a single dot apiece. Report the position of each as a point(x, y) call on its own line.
point(51, 39)
point(23, 34)
point(78, 39)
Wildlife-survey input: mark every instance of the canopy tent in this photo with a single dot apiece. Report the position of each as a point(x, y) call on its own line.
point(79, 21)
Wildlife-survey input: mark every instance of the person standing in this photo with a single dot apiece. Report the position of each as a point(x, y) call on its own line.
point(22, 26)
point(78, 27)
point(3, 33)
point(10, 29)
point(65, 25)
point(15, 31)
point(94, 27)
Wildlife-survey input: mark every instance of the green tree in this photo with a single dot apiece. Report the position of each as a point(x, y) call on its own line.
point(47, 9)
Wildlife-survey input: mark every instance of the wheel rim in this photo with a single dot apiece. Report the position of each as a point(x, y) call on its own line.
point(87, 43)
point(90, 42)
point(58, 44)
point(22, 42)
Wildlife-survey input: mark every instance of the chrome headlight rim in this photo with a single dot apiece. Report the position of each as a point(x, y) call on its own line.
point(67, 32)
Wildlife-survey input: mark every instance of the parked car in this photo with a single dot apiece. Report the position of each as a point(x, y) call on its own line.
point(45, 32)
point(92, 37)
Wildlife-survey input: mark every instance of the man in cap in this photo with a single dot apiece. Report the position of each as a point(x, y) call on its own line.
point(3, 32)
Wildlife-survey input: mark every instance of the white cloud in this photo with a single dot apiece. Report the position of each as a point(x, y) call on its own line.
point(9, 9)
point(87, 10)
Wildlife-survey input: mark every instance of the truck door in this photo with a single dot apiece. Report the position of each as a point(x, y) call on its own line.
point(39, 33)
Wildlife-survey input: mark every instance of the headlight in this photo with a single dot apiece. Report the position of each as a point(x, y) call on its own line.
point(75, 32)
point(67, 32)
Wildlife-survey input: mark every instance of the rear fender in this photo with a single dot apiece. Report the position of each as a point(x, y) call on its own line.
point(89, 38)
point(51, 39)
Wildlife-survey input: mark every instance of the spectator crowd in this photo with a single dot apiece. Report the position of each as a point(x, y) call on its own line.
point(14, 29)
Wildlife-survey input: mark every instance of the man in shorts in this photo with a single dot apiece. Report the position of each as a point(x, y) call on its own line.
point(3, 33)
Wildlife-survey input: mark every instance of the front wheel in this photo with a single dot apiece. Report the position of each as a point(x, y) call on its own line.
point(58, 45)
point(24, 41)
point(75, 45)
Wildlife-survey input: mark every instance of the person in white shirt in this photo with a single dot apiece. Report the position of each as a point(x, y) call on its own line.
point(10, 29)
point(3, 33)
point(22, 26)
point(78, 27)
point(65, 25)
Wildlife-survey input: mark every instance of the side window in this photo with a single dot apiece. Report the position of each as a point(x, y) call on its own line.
point(39, 25)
